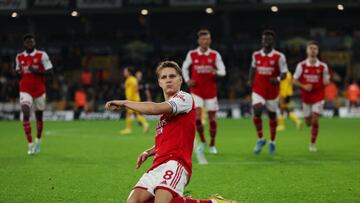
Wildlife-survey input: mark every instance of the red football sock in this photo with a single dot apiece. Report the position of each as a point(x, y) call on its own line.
point(27, 130)
point(213, 127)
point(314, 132)
point(200, 129)
point(188, 200)
point(273, 125)
point(39, 126)
point(258, 125)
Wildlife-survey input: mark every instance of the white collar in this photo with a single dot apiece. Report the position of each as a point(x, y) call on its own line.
point(269, 54)
point(31, 54)
point(201, 53)
point(317, 63)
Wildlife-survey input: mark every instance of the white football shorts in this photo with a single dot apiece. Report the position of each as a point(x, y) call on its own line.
point(171, 176)
point(38, 102)
point(308, 109)
point(271, 105)
point(210, 104)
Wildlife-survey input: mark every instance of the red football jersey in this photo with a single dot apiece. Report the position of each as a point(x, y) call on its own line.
point(266, 67)
point(175, 132)
point(203, 66)
point(314, 75)
point(30, 82)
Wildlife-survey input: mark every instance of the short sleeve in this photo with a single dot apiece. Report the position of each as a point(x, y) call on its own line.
point(282, 64)
point(46, 61)
point(181, 103)
point(298, 71)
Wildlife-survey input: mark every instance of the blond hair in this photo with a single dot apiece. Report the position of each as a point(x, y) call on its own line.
point(168, 64)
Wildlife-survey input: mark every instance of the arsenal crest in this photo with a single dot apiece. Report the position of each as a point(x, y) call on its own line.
point(35, 60)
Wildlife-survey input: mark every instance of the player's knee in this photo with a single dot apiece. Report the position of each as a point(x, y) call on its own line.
point(257, 111)
point(212, 116)
point(315, 120)
point(134, 200)
point(25, 108)
point(26, 111)
point(39, 115)
point(272, 115)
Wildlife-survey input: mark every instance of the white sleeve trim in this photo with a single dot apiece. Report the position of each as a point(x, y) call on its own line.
point(220, 67)
point(46, 61)
point(298, 71)
point(173, 106)
point(282, 64)
point(181, 103)
point(186, 67)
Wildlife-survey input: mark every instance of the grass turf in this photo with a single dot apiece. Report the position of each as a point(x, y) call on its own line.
point(88, 161)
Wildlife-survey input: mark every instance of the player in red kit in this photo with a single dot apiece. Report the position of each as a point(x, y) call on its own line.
point(312, 75)
point(268, 67)
point(165, 181)
point(200, 69)
point(32, 66)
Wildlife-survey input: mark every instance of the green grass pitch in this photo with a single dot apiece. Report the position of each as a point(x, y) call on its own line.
point(88, 161)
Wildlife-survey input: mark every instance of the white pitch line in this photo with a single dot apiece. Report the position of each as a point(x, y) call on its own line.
point(199, 156)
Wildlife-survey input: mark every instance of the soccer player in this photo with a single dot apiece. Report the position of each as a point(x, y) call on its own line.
point(32, 66)
point(206, 65)
point(312, 75)
point(268, 67)
point(165, 181)
point(286, 92)
point(132, 94)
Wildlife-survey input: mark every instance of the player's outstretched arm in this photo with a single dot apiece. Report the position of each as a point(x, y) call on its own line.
point(150, 108)
point(144, 155)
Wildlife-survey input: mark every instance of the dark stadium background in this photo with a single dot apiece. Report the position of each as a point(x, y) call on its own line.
point(108, 36)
